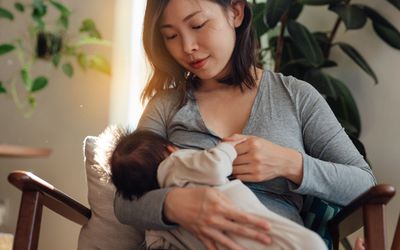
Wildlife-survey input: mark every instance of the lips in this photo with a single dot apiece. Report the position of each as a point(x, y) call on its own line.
point(197, 64)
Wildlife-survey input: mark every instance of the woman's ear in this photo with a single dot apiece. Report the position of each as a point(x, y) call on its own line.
point(238, 11)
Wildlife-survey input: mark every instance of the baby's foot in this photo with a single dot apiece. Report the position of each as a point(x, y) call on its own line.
point(360, 244)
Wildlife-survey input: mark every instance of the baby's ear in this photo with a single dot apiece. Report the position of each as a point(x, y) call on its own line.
point(171, 149)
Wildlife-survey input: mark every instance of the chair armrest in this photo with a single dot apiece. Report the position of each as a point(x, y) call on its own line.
point(53, 199)
point(351, 217)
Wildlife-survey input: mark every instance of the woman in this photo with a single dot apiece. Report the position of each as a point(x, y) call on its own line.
point(206, 88)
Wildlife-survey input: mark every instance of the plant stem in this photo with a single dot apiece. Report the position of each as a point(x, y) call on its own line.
point(280, 42)
point(14, 95)
point(332, 35)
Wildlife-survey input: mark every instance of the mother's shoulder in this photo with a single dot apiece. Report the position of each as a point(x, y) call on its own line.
point(165, 97)
point(288, 82)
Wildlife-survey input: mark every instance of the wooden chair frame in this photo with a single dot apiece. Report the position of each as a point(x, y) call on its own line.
point(367, 210)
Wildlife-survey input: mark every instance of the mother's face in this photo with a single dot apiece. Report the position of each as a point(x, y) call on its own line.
point(200, 36)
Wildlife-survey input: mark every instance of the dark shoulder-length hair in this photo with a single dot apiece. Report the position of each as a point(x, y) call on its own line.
point(167, 73)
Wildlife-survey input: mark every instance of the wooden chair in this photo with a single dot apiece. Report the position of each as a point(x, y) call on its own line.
point(396, 238)
point(366, 210)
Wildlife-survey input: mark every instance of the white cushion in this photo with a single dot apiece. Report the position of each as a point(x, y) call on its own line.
point(103, 230)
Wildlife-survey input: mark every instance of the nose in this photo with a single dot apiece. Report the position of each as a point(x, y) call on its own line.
point(189, 44)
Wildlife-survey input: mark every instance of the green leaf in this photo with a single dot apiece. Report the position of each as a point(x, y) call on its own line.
point(318, 2)
point(352, 16)
point(32, 101)
point(64, 11)
point(345, 107)
point(6, 48)
point(68, 69)
point(274, 10)
point(96, 62)
point(40, 23)
point(322, 82)
point(64, 21)
point(6, 14)
point(396, 3)
point(295, 10)
point(89, 27)
point(306, 42)
point(385, 30)
point(358, 59)
point(39, 83)
point(26, 79)
point(258, 19)
point(321, 38)
point(39, 9)
point(388, 34)
point(2, 89)
point(19, 6)
point(329, 64)
point(56, 59)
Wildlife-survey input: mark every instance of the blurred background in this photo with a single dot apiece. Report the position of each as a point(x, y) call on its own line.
point(69, 108)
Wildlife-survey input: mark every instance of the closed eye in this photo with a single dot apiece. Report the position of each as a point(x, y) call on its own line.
point(199, 26)
point(170, 37)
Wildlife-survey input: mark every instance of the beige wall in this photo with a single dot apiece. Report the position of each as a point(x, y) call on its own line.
point(378, 104)
point(61, 122)
point(68, 110)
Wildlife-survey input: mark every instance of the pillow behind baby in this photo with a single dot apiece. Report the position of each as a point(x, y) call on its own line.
point(103, 230)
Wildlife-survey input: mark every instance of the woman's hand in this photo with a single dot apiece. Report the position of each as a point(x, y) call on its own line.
point(208, 214)
point(259, 160)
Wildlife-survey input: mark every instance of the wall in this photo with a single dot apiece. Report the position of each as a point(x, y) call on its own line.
point(68, 110)
point(378, 104)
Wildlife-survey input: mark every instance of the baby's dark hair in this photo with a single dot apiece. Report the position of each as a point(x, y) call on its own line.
point(134, 162)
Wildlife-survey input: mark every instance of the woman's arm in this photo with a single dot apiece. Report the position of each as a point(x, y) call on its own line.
point(209, 215)
point(331, 169)
point(334, 170)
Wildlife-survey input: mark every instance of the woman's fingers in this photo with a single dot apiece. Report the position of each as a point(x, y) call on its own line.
point(242, 148)
point(242, 159)
point(241, 169)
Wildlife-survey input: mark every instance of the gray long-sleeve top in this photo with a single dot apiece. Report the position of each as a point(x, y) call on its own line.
point(286, 111)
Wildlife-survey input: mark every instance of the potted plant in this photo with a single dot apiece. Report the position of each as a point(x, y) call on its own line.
point(48, 41)
point(295, 50)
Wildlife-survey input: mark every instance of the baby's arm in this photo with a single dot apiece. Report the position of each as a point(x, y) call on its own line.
point(207, 167)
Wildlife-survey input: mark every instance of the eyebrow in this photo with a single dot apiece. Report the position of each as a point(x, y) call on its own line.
point(163, 26)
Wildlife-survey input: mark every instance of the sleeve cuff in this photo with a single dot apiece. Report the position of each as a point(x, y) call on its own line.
point(304, 185)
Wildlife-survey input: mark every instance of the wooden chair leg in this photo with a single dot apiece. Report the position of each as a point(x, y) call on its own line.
point(374, 229)
point(29, 218)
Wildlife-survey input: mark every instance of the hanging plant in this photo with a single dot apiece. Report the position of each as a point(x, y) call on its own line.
point(297, 51)
point(49, 41)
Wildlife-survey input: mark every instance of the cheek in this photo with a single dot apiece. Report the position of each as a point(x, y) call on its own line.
point(173, 49)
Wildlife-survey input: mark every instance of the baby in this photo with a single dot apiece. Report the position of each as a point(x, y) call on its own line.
point(143, 161)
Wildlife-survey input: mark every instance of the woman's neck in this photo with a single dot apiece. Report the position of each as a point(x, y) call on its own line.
point(210, 85)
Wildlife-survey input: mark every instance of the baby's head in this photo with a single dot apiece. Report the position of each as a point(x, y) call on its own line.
point(135, 160)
